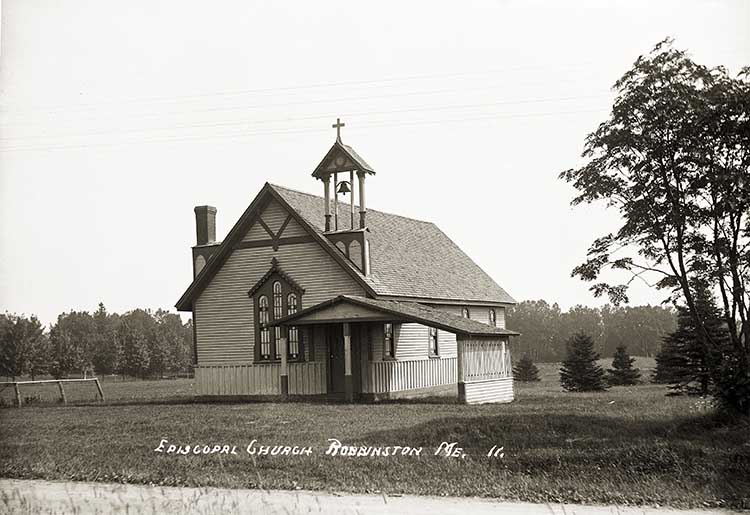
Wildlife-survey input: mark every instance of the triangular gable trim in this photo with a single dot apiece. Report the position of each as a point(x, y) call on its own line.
point(238, 230)
point(275, 270)
point(321, 170)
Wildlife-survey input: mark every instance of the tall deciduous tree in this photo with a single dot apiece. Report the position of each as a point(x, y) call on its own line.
point(72, 341)
point(580, 371)
point(674, 159)
point(22, 345)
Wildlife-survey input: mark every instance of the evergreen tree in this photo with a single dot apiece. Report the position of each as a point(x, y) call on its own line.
point(525, 370)
point(686, 360)
point(622, 371)
point(580, 371)
point(105, 352)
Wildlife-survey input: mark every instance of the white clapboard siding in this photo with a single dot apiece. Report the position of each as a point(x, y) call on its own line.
point(411, 342)
point(218, 380)
point(394, 376)
point(478, 313)
point(274, 216)
point(224, 313)
point(491, 390)
point(256, 233)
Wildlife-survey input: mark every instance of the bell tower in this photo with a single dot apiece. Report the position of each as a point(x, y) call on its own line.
point(342, 161)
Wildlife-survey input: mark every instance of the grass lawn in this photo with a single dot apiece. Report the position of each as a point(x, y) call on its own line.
point(629, 445)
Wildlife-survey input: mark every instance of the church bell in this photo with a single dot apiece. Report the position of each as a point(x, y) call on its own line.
point(343, 188)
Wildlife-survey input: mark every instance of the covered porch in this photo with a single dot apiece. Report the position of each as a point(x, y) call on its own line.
point(479, 371)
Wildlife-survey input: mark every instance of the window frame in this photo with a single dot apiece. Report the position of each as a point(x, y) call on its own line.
point(433, 351)
point(278, 306)
point(466, 312)
point(492, 315)
point(388, 356)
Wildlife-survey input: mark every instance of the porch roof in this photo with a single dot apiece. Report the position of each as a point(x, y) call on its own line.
point(349, 308)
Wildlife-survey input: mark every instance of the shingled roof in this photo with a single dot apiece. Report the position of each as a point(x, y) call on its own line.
point(405, 312)
point(409, 258)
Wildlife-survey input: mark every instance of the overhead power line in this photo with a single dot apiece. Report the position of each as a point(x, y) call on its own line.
point(308, 130)
point(277, 89)
point(252, 121)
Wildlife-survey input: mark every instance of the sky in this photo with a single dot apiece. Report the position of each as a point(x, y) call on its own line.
point(117, 118)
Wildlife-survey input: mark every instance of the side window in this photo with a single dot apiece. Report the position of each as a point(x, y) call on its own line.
point(278, 312)
point(265, 336)
point(493, 317)
point(293, 332)
point(433, 342)
point(389, 347)
point(465, 313)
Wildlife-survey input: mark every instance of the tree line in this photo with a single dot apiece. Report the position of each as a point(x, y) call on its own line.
point(545, 329)
point(140, 343)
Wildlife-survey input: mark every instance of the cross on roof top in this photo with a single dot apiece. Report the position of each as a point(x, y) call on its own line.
point(338, 126)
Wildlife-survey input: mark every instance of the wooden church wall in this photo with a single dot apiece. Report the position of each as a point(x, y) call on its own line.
point(224, 313)
point(478, 313)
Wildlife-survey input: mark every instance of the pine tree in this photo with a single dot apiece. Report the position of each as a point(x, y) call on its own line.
point(686, 361)
point(622, 371)
point(580, 371)
point(525, 370)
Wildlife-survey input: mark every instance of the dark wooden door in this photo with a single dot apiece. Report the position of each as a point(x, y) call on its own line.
point(335, 337)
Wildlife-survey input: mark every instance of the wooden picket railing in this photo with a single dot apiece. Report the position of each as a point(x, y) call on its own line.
point(486, 360)
point(63, 398)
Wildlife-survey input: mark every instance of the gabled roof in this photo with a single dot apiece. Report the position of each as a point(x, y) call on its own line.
point(275, 270)
point(261, 200)
point(350, 161)
point(410, 258)
point(404, 312)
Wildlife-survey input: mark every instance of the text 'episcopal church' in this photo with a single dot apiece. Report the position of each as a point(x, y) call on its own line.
point(312, 296)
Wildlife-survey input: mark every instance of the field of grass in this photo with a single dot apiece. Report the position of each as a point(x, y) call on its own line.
point(629, 445)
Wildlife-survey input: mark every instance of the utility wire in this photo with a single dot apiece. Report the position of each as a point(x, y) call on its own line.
point(308, 130)
point(303, 118)
point(408, 78)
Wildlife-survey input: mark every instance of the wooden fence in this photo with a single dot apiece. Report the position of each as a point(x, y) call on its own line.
point(17, 384)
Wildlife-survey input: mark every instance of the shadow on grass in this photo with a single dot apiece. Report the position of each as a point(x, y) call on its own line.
point(709, 453)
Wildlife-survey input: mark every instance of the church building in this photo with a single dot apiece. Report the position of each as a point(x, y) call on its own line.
point(322, 297)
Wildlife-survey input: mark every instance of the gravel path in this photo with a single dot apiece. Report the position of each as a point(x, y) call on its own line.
point(35, 496)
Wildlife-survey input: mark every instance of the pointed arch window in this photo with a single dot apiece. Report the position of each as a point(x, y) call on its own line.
point(274, 296)
point(465, 313)
point(493, 317)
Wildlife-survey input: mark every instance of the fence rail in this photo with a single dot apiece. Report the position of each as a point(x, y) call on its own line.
point(59, 383)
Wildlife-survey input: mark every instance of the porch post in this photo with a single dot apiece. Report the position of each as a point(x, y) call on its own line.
point(284, 377)
point(348, 387)
point(460, 371)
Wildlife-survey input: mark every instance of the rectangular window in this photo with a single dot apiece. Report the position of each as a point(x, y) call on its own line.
point(389, 348)
point(433, 336)
point(277, 342)
point(293, 342)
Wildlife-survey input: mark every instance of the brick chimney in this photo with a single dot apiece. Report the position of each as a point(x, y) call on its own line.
point(205, 224)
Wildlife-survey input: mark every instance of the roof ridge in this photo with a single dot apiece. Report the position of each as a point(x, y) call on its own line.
point(368, 209)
